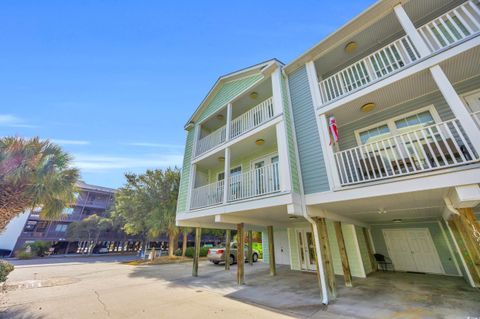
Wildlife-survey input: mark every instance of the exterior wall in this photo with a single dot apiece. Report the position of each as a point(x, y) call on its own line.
point(314, 174)
point(294, 253)
point(347, 132)
point(227, 92)
point(438, 237)
point(185, 176)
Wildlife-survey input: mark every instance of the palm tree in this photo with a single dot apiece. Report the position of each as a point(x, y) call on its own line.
point(34, 173)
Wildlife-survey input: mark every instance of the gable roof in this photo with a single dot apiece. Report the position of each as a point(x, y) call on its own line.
point(251, 70)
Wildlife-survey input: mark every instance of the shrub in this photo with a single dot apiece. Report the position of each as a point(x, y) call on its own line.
point(22, 254)
point(5, 269)
point(258, 247)
point(38, 248)
point(190, 251)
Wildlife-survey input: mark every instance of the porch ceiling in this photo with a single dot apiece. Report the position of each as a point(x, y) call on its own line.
point(247, 146)
point(457, 69)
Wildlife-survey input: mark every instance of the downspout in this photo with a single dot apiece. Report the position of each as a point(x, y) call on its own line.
point(452, 209)
point(321, 272)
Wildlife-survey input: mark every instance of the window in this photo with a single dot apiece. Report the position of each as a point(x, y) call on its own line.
point(374, 134)
point(61, 228)
point(414, 122)
point(30, 225)
point(234, 171)
point(68, 211)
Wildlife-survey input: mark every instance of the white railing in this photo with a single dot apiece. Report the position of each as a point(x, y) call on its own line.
point(208, 142)
point(433, 147)
point(388, 59)
point(476, 118)
point(453, 26)
point(207, 195)
point(256, 182)
point(252, 118)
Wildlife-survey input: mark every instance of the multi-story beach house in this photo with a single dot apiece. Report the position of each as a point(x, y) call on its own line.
point(368, 143)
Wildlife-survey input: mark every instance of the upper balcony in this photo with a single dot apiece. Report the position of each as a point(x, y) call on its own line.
point(446, 28)
point(249, 111)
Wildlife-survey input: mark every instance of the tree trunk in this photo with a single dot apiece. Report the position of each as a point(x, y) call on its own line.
point(171, 244)
point(184, 244)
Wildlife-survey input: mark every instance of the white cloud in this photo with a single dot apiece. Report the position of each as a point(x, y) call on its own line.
point(9, 120)
point(96, 163)
point(69, 142)
point(155, 145)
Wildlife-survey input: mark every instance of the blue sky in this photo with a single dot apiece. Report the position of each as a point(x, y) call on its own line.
point(113, 82)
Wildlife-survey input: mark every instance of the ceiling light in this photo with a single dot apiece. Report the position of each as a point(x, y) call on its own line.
point(351, 47)
point(382, 211)
point(397, 220)
point(221, 159)
point(220, 117)
point(253, 95)
point(292, 217)
point(367, 107)
point(260, 142)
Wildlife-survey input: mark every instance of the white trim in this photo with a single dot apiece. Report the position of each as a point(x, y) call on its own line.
point(390, 122)
point(363, 273)
point(459, 273)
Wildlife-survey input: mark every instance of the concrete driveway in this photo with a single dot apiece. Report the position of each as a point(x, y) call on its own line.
point(112, 290)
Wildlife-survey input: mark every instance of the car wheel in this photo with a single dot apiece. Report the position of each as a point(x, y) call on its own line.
point(216, 262)
point(255, 258)
point(231, 260)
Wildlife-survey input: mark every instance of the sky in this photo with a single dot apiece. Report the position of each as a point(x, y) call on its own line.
point(113, 82)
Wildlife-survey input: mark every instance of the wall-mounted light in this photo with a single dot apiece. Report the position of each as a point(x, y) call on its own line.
point(351, 47)
point(260, 142)
point(367, 107)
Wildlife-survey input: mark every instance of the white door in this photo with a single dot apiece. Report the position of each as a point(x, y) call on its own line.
point(282, 252)
point(413, 250)
point(306, 248)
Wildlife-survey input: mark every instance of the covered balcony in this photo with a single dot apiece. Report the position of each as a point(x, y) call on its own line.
point(364, 60)
point(249, 111)
point(408, 127)
point(254, 172)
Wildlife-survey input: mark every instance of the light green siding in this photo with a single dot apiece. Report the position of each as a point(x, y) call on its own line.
point(294, 256)
point(290, 139)
point(363, 250)
point(347, 132)
point(185, 177)
point(438, 237)
point(226, 93)
point(265, 251)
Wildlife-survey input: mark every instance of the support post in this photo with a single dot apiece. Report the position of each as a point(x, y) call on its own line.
point(411, 31)
point(250, 248)
point(196, 256)
point(228, 124)
point(240, 255)
point(226, 175)
point(320, 224)
point(456, 105)
point(271, 251)
point(347, 275)
point(370, 250)
point(228, 239)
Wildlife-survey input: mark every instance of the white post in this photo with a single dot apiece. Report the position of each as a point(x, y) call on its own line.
point(328, 155)
point(283, 159)
point(411, 31)
point(229, 122)
point(196, 137)
point(226, 183)
point(191, 185)
point(456, 105)
point(313, 83)
point(277, 91)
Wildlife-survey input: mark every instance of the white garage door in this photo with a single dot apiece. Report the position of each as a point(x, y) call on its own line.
point(413, 250)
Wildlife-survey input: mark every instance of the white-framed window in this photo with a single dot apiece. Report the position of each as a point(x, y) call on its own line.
point(233, 171)
point(61, 228)
point(408, 122)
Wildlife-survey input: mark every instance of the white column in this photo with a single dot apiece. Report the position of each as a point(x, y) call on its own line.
point(328, 154)
point(229, 122)
point(411, 31)
point(196, 137)
point(313, 83)
point(457, 106)
point(277, 91)
point(191, 185)
point(226, 175)
point(283, 159)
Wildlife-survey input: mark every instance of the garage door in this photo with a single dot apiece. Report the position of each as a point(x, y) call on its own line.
point(413, 250)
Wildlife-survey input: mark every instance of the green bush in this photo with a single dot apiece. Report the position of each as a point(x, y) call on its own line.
point(39, 248)
point(22, 254)
point(190, 251)
point(5, 269)
point(258, 247)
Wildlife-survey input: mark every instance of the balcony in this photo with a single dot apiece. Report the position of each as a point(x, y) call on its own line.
point(446, 30)
point(245, 122)
point(430, 148)
point(253, 183)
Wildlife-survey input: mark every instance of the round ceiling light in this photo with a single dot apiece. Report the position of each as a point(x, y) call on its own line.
point(351, 47)
point(220, 117)
point(397, 220)
point(260, 141)
point(367, 107)
point(253, 95)
point(221, 159)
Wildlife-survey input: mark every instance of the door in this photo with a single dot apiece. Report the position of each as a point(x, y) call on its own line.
point(282, 252)
point(413, 250)
point(259, 177)
point(306, 248)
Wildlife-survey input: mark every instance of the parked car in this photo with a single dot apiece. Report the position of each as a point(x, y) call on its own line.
point(217, 254)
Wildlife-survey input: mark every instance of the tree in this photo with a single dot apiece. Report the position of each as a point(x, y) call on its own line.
point(147, 203)
point(89, 229)
point(185, 232)
point(34, 173)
